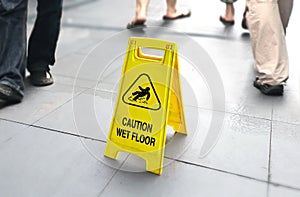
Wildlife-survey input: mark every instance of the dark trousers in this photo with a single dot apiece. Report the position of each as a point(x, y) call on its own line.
point(13, 15)
point(44, 36)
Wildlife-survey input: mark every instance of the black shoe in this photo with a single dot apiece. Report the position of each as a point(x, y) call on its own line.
point(244, 20)
point(271, 90)
point(244, 24)
point(9, 94)
point(41, 78)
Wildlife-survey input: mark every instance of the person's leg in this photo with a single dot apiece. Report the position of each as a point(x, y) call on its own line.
point(228, 18)
point(141, 10)
point(44, 36)
point(13, 17)
point(268, 43)
point(244, 21)
point(229, 11)
point(173, 12)
point(285, 9)
point(140, 14)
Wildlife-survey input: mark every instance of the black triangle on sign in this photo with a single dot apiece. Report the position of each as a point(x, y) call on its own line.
point(141, 93)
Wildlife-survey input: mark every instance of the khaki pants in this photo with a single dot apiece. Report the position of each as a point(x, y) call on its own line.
point(267, 21)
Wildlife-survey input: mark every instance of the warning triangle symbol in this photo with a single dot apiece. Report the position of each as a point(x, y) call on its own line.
point(141, 93)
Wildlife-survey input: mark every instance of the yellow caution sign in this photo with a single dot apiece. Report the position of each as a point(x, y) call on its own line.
point(149, 99)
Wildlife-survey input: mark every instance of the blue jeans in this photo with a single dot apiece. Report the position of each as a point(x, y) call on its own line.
point(44, 36)
point(13, 17)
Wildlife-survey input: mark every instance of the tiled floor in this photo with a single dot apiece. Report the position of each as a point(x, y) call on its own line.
point(52, 143)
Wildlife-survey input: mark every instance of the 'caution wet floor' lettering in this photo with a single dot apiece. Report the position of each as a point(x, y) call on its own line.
point(136, 136)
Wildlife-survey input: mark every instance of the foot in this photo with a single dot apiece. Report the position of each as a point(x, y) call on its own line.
point(226, 22)
point(136, 23)
point(177, 15)
point(9, 94)
point(41, 78)
point(270, 90)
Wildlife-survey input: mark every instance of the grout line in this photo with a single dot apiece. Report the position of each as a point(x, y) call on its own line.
point(244, 115)
point(228, 112)
point(291, 123)
point(75, 5)
point(270, 146)
point(270, 154)
point(17, 122)
point(73, 77)
point(215, 169)
point(109, 181)
point(53, 130)
point(177, 160)
point(118, 28)
point(69, 7)
point(235, 174)
point(68, 133)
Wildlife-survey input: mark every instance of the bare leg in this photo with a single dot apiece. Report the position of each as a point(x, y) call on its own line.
point(173, 12)
point(141, 10)
point(229, 12)
point(140, 14)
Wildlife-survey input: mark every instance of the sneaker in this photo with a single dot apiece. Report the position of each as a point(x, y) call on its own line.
point(9, 94)
point(271, 90)
point(41, 78)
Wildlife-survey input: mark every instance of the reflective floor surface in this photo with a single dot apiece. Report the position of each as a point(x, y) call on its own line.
point(239, 142)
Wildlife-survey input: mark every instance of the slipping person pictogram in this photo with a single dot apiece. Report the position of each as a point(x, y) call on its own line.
point(142, 93)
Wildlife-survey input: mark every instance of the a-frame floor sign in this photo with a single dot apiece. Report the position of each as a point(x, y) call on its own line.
point(149, 99)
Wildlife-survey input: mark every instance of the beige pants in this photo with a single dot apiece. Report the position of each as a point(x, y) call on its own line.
point(267, 21)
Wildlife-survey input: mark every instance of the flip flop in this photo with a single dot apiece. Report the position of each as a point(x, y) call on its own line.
point(225, 22)
point(134, 24)
point(178, 17)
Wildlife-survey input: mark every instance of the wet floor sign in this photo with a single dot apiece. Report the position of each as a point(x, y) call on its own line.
point(149, 99)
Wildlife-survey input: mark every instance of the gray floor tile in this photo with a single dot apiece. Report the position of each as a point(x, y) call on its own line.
point(59, 86)
point(9, 130)
point(287, 108)
point(285, 157)
point(87, 115)
point(242, 146)
point(74, 83)
point(48, 162)
point(76, 37)
point(68, 65)
point(99, 13)
point(237, 73)
point(36, 104)
point(180, 179)
point(277, 191)
point(42, 163)
point(87, 50)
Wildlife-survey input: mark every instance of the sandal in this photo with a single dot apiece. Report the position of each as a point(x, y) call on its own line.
point(136, 23)
point(182, 15)
point(225, 22)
